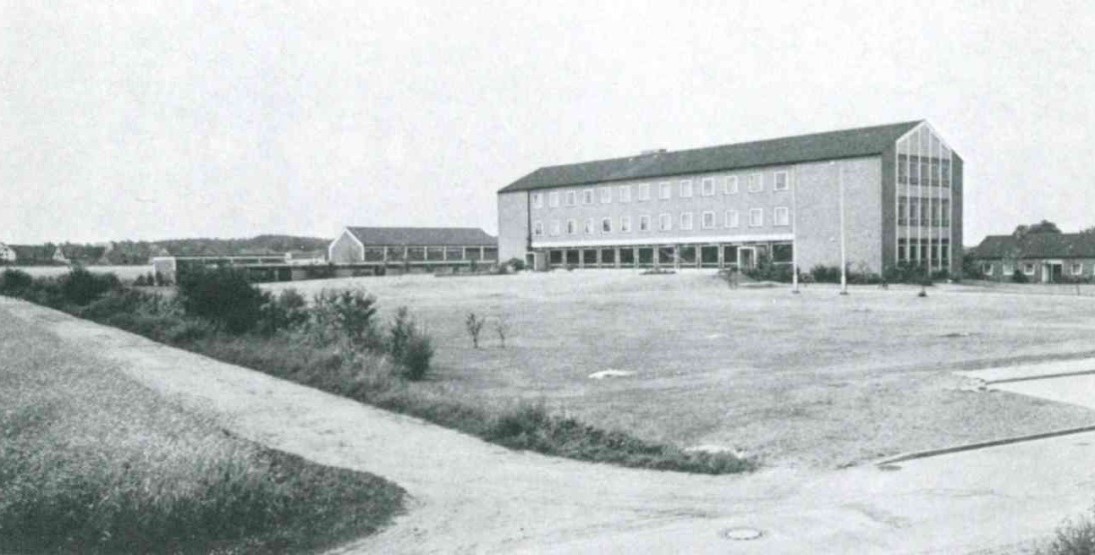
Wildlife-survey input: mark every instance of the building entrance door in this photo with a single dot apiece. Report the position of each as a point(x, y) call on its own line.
point(747, 257)
point(1053, 272)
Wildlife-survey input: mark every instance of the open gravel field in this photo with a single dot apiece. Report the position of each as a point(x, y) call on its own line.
point(814, 379)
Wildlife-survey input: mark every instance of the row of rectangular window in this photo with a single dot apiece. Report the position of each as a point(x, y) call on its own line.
point(781, 216)
point(987, 268)
point(419, 254)
point(754, 184)
point(919, 250)
point(923, 170)
point(686, 255)
point(916, 211)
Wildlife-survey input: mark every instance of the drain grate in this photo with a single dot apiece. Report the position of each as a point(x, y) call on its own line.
point(742, 534)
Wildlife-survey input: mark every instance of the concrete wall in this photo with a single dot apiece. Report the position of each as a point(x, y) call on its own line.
point(818, 218)
point(513, 225)
point(345, 250)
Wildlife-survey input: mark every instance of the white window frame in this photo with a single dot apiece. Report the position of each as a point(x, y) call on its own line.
point(555, 228)
point(704, 223)
point(572, 198)
point(606, 195)
point(687, 220)
point(665, 221)
point(786, 175)
point(553, 199)
point(686, 188)
point(1077, 268)
point(589, 228)
point(987, 268)
point(624, 192)
point(756, 217)
point(731, 185)
point(1033, 268)
point(606, 225)
point(588, 196)
point(665, 190)
point(537, 200)
point(707, 186)
point(572, 227)
point(625, 224)
point(644, 192)
point(783, 221)
point(755, 182)
point(733, 218)
point(537, 228)
point(644, 222)
point(1008, 269)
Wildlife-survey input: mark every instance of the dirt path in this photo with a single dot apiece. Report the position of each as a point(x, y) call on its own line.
point(470, 496)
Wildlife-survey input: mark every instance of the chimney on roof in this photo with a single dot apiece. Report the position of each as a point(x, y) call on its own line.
point(653, 151)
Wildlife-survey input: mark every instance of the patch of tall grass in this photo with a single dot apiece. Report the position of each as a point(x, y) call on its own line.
point(93, 463)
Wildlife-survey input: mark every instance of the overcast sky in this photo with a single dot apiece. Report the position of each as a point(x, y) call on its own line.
point(151, 120)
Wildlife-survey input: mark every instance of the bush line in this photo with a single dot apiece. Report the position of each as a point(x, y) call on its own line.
point(337, 346)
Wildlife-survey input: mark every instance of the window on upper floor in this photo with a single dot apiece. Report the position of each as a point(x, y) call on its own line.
point(707, 186)
point(606, 225)
point(665, 190)
point(553, 199)
point(686, 188)
point(589, 226)
point(606, 195)
point(665, 222)
point(731, 185)
point(555, 227)
point(537, 200)
point(625, 224)
point(537, 229)
point(572, 227)
point(754, 182)
point(686, 220)
point(624, 192)
point(732, 218)
point(781, 216)
point(708, 220)
point(756, 217)
point(587, 196)
point(572, 198)
point(782, 181)
point(644, 192)
point(644, 222)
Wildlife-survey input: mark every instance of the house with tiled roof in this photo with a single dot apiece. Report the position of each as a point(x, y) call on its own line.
point(7, 254)
point(1040, 257)
point(884, 195)
point(413, 247)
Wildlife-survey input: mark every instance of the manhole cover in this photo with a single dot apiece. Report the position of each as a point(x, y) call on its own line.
point(742, 534)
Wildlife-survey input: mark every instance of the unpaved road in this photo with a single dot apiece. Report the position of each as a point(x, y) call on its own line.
point(469, 496)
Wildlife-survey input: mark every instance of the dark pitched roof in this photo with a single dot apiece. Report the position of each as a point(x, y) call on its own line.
point(421, 236)
point(1036, 245)
point(850, 143)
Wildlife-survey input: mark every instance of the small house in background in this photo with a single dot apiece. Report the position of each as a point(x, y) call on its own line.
point(7, 254)
point(1038, 257)
point(412, 248)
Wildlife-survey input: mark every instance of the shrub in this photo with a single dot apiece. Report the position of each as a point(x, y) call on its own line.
point(140, 281)
point(13, 282)
point(825, 274)
point(1019, 277)
point(345, 315)
point(766, 271)
point(80, 287)
point(516, 263)
point(287, 310)
point(416, 357)
point(223, 296)
point(1073, 538)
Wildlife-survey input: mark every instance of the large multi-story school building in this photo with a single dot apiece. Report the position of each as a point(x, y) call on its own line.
point(738, 205)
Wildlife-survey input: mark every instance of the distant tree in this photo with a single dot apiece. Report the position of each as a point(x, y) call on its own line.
point(1044, 226)
point(1088, 230)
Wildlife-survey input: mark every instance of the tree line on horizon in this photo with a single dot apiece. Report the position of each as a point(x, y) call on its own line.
point(136, 253)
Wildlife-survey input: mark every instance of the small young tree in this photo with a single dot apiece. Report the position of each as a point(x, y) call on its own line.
point(474, 325)
point(501, 327)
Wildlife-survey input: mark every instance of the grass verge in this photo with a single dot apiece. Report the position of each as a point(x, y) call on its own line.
point(93, 463)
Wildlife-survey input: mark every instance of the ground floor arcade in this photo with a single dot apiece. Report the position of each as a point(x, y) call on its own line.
point(715, 255)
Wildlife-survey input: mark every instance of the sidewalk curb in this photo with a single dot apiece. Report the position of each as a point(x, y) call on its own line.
point(982, 445)
point(1040, 377)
